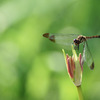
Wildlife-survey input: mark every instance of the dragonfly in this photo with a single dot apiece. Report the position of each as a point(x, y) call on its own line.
point(68, 39)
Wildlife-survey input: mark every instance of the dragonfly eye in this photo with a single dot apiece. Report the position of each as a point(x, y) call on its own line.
point(76, 42)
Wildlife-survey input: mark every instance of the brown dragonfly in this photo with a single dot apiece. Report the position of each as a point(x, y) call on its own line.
point(68, 39)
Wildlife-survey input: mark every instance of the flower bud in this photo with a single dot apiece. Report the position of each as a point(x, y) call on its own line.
point(74, 67)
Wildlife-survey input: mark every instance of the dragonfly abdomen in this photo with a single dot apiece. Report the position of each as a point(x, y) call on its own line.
point(90, 37)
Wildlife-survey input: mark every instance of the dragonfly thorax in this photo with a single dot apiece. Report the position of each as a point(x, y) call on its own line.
point(79, 39)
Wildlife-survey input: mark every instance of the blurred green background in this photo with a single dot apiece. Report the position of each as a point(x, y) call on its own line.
point(31, 67)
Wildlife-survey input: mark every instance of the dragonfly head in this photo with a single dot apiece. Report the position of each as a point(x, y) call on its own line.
point(76, 42)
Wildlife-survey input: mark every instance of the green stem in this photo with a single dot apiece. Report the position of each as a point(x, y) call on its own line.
point(79, 92)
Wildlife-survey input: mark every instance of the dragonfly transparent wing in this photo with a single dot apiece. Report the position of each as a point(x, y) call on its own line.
point(87, 57)
point(64, 40)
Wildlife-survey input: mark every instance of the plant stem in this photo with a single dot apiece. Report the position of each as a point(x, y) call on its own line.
point(79, 92)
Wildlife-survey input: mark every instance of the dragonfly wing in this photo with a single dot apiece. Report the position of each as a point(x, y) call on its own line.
point(64, 40)
point(87, 56)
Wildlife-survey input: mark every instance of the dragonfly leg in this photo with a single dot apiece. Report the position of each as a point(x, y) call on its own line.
point(76, 47)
